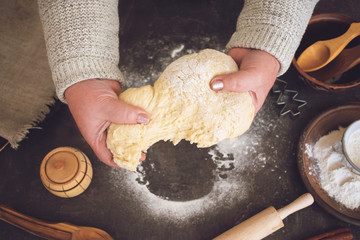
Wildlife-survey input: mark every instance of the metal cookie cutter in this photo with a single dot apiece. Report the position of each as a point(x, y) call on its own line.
point(287, 98)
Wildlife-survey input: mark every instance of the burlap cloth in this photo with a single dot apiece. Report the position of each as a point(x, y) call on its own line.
point(26, 88)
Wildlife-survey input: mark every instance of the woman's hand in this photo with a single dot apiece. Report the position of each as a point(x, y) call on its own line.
point(257, 73)
point(94, 104)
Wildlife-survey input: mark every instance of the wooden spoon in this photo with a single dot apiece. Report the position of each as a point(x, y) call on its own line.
point(54, 231)
point(322, 52)
point(346, 60)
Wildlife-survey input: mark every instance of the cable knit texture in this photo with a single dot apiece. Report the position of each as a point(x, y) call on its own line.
point(82, 40)
point(274, 26)
point(83, 43)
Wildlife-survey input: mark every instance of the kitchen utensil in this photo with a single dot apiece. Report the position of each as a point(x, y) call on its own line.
point(322, 52)
point(346, 60)
point(321, 125)
point(287, 102)
point(354, 127)
point(321, 27)
point(265, 222)
point(54, 231)
point(66, 172)
point(338, 234)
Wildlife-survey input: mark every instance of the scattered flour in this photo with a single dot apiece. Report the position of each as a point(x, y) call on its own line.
point(177, 50)
point(222, 194)
point(336, 175)
point(255, 142)
point(309, 150)
point(236, 159)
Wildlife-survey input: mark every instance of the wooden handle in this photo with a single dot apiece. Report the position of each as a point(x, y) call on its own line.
point(266, 222)
point(354, 29)
point(343, 40)
point(255, 228)
point(303, 201)
point(54, 231)
point(338, 234)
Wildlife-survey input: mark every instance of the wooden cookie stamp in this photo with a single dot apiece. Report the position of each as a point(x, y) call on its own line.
point(66, 172)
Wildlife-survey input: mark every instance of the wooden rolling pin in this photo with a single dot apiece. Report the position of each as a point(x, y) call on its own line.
point(54, 231)
point(265, 222)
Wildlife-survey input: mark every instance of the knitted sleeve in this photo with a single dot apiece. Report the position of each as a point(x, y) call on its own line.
point(274, 26)
point(82, 40)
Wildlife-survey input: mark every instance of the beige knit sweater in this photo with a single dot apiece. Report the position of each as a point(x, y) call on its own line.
point(82, 35)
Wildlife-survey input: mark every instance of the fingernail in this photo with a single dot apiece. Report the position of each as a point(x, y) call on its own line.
point(142, 118)
point(217, 85)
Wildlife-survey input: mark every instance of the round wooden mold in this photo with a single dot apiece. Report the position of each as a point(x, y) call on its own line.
point(66, 172)
point(321, 125)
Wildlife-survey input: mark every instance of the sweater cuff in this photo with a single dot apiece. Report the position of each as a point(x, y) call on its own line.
point(274, 26)
point(272, 40)
point(76, 70)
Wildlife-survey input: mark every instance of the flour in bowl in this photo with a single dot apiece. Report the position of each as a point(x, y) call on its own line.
point(336, 176)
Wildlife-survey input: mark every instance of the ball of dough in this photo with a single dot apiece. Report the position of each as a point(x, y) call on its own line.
point(182, 106)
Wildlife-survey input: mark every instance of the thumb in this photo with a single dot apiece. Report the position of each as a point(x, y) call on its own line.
point(240, 81)
point(122, 113)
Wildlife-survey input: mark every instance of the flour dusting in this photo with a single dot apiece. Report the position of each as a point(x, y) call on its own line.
point(250, 148)
point(177, 50)
point(235, 159)
point(181, 211)
point(336, 175)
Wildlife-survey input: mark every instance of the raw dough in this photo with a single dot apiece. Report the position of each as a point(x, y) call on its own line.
point(182, 106)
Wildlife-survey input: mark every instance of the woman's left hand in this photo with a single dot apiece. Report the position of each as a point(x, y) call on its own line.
point(257, 73)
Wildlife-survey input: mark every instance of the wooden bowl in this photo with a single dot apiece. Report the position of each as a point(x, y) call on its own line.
point(323, 27)
point(66, 172)
point(321, 125)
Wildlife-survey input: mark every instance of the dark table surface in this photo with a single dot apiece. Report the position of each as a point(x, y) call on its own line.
point(180, 192)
